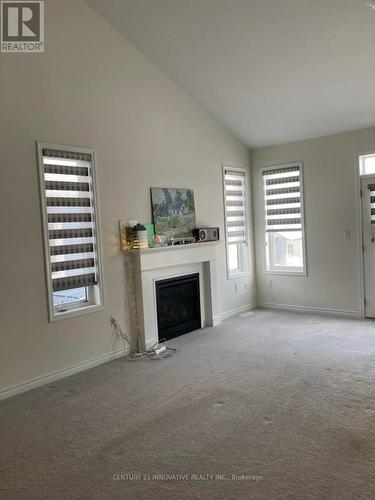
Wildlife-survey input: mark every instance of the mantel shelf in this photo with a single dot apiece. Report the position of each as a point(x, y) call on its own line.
point(172, 247)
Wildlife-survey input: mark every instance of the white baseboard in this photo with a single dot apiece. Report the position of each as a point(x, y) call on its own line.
point(310, 309)
point(236, 311)
point(86, 365)
point(52, 377)
point(216, 321)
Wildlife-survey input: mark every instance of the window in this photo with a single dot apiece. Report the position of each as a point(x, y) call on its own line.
point(284, 221)
point(69, 212)
point(236, 228)
point(367, 164)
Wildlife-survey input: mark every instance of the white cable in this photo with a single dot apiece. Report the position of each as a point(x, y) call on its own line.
point(150, 353)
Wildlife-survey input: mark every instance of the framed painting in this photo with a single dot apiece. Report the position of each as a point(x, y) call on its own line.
point(173, 211)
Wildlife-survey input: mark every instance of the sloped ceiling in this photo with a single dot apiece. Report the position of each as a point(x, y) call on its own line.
point(271, 71)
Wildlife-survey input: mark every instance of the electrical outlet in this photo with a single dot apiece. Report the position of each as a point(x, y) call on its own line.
point(269, 283)
point(348, 234)
point(236, 287)
point(246, 285)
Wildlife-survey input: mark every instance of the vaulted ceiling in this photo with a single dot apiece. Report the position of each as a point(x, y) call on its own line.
point(271, 71)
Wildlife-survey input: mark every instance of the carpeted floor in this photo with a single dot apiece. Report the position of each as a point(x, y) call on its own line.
point(274, 406)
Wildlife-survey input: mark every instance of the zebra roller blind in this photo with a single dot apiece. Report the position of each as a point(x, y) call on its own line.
point(235, 205)
point(283, 198)
point(371, 188)
point(70, 218)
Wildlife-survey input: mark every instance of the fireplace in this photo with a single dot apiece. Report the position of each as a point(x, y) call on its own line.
point(178, 306)
point(148, 266)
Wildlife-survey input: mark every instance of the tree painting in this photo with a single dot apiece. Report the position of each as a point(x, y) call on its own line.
point(173, 211)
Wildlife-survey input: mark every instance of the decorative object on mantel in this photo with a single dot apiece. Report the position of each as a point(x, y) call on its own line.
point(181, 241)
point(159, 240)
point(140, 236)
point(126, 234)
point(206, 234)
point(156, 240)
point(150, 234)
point(173, 211)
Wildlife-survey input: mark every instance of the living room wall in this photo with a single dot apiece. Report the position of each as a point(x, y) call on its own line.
point(92, 88)
point(330, 171)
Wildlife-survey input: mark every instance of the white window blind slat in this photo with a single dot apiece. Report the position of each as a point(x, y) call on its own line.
point(70, 241)
point(67, 210)
point(65, 177)
point(55, 226)
point(73, 272)
point(70, 257)
point(57, 193)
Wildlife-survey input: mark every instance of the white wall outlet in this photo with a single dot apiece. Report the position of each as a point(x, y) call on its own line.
point(348, 234)
point(246, 285)
point(236, 287)
point(269, 283)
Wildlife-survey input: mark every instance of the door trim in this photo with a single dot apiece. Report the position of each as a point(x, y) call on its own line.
point(361, 263)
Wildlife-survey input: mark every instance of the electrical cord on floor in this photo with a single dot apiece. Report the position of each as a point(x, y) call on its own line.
point(138, 353)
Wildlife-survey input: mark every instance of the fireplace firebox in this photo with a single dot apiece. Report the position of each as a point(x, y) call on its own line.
point(178, 306)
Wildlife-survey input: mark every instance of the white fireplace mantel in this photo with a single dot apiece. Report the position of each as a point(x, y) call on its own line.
point(153, 264)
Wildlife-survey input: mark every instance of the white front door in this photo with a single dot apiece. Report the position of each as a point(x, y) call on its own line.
point(368, 231)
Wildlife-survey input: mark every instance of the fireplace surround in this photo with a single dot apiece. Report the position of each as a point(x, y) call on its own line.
point(152, 265)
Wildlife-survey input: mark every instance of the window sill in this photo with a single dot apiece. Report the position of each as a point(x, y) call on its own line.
point(287, 272)
point(240, 274)
point(73, 313)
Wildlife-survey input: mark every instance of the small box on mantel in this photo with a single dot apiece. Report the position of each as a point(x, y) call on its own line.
point(150, 234)
point(206, 234)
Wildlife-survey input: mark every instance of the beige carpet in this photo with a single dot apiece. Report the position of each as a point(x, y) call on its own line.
point(274, 406)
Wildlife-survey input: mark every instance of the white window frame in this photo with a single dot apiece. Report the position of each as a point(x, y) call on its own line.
point(359, 158)
point(95, 293)
point(287, 270)
point(243, 257)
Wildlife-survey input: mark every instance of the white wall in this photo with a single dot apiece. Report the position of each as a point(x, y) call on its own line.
point(333, 263)
point(93, 88)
